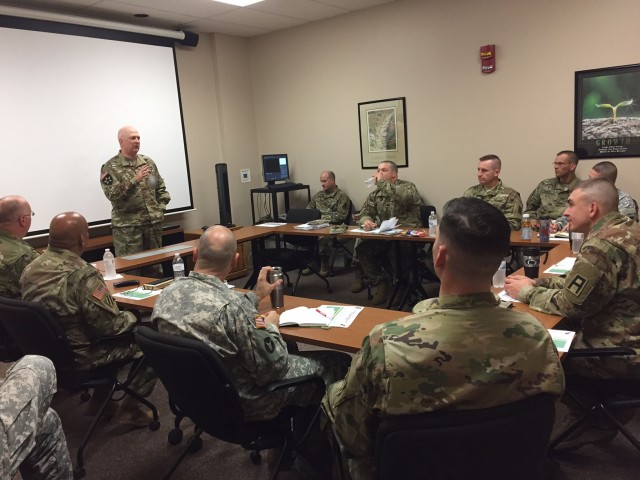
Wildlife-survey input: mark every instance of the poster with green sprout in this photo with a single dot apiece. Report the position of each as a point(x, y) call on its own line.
point(607, 122)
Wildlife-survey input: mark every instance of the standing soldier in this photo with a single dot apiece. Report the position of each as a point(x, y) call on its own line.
point(334, 205)
point(138, 197)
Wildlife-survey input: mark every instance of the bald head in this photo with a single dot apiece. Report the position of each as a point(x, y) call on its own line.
point(216, 250)
point(129, 140)
point(15, 215)
point(70, 231)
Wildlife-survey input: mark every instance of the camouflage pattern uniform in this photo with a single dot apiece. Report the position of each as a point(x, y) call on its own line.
point(626, 205)
point(31, 436)
point(505, 199)
point(15, 255)
point(204, 308)
point(549, 200)
point(400, 200)
point(328, 203)
point(137, 208)
point(600, 296)
point(76, 293)
point(459, 352)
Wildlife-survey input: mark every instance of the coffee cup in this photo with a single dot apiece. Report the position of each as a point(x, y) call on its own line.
point(544, 230)
point(531, 257)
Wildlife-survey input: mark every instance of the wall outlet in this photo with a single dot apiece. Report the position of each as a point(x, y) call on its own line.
point(245, 175)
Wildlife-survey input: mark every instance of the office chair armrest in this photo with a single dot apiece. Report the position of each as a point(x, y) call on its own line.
point(293, 382)
point(601, 352)
point(115, 338)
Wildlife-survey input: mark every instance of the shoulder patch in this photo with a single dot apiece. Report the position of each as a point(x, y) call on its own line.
point(268, 345)
point(106, 178)
point(99, 292)
point(578, 283)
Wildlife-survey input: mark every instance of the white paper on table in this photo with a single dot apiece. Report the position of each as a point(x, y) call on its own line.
point(506, 298)
point(138, 293)
point(270, 224)
point(340, 315)
point(562, 339)
point(112, 278)
point(563, 267)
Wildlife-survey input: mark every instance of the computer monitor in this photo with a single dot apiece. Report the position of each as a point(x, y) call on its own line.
point(275, 167)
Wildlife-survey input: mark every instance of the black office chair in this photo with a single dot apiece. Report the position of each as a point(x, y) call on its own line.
point(600, 399)
point(298, 252)
point(201, 388)
point(504, 442)
point(36, 331)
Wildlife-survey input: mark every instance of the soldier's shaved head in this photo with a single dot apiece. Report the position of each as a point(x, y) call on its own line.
point(15, 215)
point(70, 231)
point(216, 250)
point(602, 192)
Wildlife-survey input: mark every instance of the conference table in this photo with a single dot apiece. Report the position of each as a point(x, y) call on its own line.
point(347, 339)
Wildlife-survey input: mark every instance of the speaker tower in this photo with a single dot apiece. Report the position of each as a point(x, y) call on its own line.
point(224, 199)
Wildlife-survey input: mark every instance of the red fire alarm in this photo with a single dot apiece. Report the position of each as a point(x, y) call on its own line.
point(488, 56)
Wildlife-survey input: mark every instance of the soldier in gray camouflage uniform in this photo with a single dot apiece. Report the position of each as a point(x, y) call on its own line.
point(138, 197)
point(626, 204)
point(491, 190)
point(31, 436)
point(333, 204)
point(75, 292)
point(392, 198)
point(601, 293)
point(202, 306)
point(549, 199)
point(458, 351)
point(15, 253)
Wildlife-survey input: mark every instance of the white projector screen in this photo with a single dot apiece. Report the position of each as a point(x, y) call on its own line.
point(63, 98)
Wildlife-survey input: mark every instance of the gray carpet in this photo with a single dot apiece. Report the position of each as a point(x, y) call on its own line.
point(142, 454)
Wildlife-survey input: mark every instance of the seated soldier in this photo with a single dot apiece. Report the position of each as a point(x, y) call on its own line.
point(458, 351)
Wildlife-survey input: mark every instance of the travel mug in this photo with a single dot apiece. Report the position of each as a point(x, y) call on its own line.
point(277, 294)
point(531, 261)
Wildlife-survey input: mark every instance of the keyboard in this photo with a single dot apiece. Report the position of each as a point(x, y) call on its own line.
point(284, 185)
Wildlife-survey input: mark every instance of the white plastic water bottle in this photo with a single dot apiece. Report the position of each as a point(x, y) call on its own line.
point(433, 223)
point(500, 275)
point(109, 265)
point(178, 266)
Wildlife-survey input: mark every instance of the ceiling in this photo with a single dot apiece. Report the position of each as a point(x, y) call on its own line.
point(204, 16)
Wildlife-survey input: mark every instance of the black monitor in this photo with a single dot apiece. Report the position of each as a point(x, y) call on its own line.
point(275, 167)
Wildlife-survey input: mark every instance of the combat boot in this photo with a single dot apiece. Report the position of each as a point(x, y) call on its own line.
point(133, 413)
point(325, 266)
point(382, 292)
point(358, 282)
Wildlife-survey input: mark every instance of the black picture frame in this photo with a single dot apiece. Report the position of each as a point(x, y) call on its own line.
point(607, 112)
point(383, 132)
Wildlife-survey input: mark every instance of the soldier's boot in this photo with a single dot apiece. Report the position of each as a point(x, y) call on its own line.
point(98, 398)
point(325, 265)
point(307, 271)
point(382, 292)
point(358, 281)
point(133, 413)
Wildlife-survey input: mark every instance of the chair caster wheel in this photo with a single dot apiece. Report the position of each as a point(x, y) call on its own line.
point(175, 436)
point(79, 473)
point(84, 396)
point(154, 425)
point(255, 457)
point(196, 445)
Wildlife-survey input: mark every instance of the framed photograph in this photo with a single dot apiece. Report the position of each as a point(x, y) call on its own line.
point(607, 113)
point(383, 132)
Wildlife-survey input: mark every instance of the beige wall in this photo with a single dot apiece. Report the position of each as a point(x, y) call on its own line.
point(297, 91)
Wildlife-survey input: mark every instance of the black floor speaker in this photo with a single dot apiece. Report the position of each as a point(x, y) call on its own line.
point(224, 199)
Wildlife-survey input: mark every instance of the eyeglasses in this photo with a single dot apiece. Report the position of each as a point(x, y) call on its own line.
point(558, 164)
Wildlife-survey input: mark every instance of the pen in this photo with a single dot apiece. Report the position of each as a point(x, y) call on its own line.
point(321, 313)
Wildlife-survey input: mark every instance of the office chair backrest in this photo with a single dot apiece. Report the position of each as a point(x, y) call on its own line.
point(36, 331)
point(425, 211)
point(504, 442)
point(302, 215)
point(196, 379)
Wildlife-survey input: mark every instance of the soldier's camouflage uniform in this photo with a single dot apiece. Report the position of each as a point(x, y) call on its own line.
point(400, 200)
point(505, 199)
point(459, 352)
point(204, 308)
point(15, 255)
point(626, 205)
point(600, 295)
point(137, 208)
point(75, 292)
point(31, 436)
point(549, 200)
point(328, 203)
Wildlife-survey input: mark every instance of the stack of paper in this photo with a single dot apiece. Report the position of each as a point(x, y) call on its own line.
point(388, 227)
point(311, 226)
point(326, 316)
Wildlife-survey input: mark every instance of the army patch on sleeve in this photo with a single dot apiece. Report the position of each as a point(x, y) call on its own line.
point(106, 178)
point(577, 284)
point(100, 291)
point(268, 345)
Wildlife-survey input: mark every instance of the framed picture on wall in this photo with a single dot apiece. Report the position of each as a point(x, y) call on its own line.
point(383, 132)
point(607, 112)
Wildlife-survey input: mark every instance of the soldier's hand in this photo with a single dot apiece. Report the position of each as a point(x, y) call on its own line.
point(272, 318)
point(141, 174)
point(263, 287)
point(368, 225)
